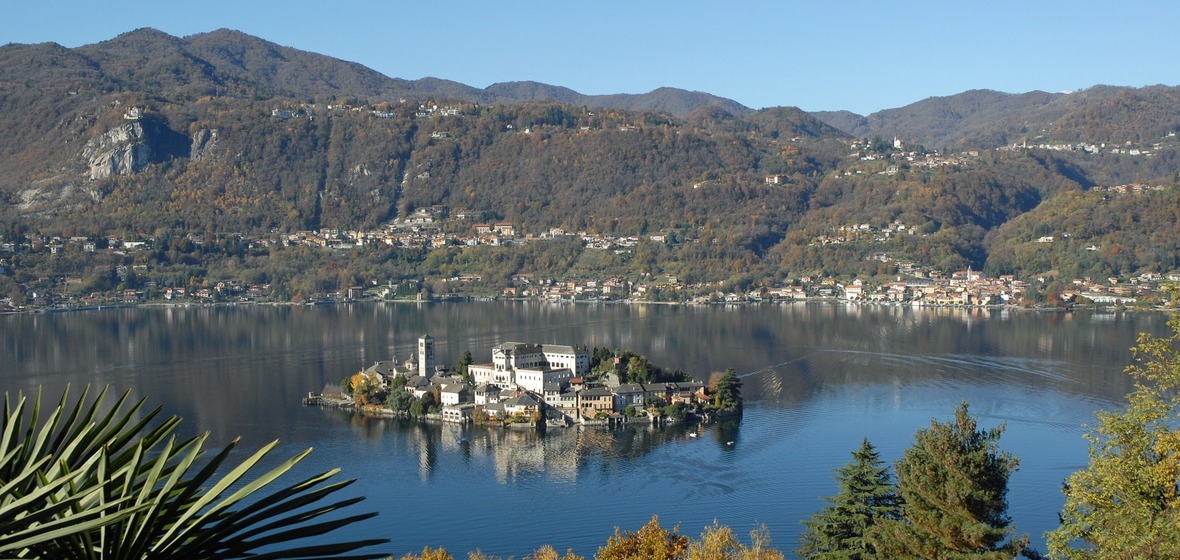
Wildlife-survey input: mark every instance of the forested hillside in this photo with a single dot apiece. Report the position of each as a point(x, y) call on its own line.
point(228, 157)
point(991, 119)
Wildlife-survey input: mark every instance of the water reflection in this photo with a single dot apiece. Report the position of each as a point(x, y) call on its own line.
point(229, 367)
point(818, 378)
point(558, 454)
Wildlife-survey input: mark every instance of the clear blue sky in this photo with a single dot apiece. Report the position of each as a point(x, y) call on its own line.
point(859, 56)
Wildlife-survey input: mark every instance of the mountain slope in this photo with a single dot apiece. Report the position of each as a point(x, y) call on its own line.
point(149, 135)
point(990, 119)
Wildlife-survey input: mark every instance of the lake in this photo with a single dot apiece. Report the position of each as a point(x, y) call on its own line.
point(817, 379)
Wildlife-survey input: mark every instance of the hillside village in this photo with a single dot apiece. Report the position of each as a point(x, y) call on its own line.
point(913, 283)
point(523, 384)
point(437, 227)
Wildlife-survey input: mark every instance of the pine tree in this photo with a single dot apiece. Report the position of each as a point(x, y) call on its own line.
point(954, 483)
point(728, 394)
point(1126, 503)
point(867, 494)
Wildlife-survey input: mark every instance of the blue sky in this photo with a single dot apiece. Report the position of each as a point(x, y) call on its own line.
point(859, 56)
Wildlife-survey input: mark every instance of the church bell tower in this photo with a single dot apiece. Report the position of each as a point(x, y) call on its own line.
point(426, 356)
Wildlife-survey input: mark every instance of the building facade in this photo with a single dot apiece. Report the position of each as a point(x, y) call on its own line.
point(531, 366)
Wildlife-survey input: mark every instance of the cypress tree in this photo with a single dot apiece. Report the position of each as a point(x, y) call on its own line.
point(867, 494)
point(954, 483)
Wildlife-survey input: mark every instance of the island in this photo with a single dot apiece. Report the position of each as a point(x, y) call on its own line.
point(535, 386)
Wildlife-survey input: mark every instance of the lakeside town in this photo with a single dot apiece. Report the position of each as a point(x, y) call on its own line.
point(532, 385)
point(135, 273)
point(911, 284)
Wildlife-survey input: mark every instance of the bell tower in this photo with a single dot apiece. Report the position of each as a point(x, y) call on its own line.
point(426, 356)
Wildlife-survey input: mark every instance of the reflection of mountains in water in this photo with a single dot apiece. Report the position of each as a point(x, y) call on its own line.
point(805, 351)
point(802, 377)
point(808, 374)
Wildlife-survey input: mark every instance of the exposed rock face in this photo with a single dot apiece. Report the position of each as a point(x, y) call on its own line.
point(203, 140)
point(130, 147)
point(123, 150)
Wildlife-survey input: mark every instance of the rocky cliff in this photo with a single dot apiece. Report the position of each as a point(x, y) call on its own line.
point(131, 146)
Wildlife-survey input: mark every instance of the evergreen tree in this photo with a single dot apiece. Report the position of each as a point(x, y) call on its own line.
point(867, 494)
point(728, 395)
point(464, 361)
point(1126, 504)
point(954, 484)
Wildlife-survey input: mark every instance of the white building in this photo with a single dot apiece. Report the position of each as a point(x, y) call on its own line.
point(531, 366)
point(426, 356)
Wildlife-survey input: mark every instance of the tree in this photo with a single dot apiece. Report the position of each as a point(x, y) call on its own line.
point(1126, 503)
point(401, 401)
point(367, 388)
point(954, 483)
point(676, 411)
point(83, 483)
point(430, 554)
point(549, 553)
point(867, 495)
point(728, 394)
point(464, 361)
point(718, 542)
point(651, 542)
point(639, 370)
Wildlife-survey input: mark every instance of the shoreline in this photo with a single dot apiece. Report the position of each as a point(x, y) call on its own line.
point(470, 299)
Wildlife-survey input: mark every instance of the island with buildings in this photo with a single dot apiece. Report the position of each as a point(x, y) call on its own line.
point(534, 385)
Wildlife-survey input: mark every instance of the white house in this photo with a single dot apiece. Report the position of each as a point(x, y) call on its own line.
point(455, 393)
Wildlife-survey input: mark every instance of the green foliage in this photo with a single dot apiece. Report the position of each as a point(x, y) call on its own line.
point(426, 404)
point(954, 483)
point(638, 370)
point(867, 495)
point(81, 483)
point(1126, 502)
point(464, 361)
point(1096, 234)
point(676, 411)
point(401, 401)
point(727, 396)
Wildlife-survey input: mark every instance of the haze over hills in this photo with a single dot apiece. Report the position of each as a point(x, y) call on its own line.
point(151, 136)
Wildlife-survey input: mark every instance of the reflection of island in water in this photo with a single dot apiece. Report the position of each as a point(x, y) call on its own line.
point(561, 455)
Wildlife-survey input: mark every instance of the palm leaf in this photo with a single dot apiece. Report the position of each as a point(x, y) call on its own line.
point(82, 483)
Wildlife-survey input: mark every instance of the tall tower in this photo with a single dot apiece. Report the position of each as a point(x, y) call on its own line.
point(426, 356)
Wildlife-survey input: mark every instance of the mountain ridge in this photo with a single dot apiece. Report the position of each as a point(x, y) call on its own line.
point(152, 136)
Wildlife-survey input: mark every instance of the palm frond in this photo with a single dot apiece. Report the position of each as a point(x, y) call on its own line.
point(76, 482)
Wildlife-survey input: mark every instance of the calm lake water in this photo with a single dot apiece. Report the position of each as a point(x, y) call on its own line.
point(818, 378)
